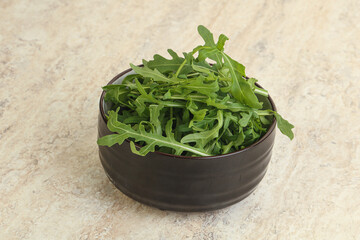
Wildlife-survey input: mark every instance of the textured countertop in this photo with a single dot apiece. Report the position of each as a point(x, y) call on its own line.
point(55, 56)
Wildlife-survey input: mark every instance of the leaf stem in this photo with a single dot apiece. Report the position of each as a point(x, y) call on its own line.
point(261, 91)
point(179, 69)
point(193, 74)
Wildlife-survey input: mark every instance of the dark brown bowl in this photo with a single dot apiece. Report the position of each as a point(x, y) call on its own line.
point(180, 183)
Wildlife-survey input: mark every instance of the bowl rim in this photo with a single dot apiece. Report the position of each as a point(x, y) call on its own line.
point(262, 139)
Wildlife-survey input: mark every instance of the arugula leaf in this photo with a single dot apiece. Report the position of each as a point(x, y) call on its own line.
point(284, 126)
point(212, 51)
point(241, 90)
point(199, 85)
point(215, 108)
point(140, 104)
point(245, 118)
point(115, 93)
point(198, 114)
point(239, 139)
point(207, 70)
point(125, 131)
point(232, 106)
point(207, 36)
point(110, 140)
point(167, 95)
point(154, 74)
point(202, 138)
point(256, 89)
point(168, 65)
point(221, 42)
point(154, 117)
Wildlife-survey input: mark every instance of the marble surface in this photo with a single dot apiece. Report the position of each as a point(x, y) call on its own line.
point(55, 56)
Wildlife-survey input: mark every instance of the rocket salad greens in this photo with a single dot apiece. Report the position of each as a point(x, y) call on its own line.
point(186, 106)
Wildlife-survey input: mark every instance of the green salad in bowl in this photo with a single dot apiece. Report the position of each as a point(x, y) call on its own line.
point(198, 104)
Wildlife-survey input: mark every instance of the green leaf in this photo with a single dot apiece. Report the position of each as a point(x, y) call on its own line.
point(203, 138)
point(115, 93)
point(151, 140)
point(256, 89)
point(142, 91)
point(154, 74)
point(198, 114)
point(245, 118)
point(239, 140)
point(221, 42)
point(167, 95)
point(169, 133)
point(199, 85)
point(154, 117)
point(226, 148)
point(140, 104)
point(212, 52)
point(234, 66)
point(241, 90)
point(284, 126)
point(110, 140)
point(204, 69)
point(134, 119)
point(229, 105)
point(251, 136)
point(207, 36)
point(228, 117)
point(169, 65)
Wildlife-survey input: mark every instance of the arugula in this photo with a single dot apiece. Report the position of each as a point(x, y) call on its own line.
point(125, 131)
point(186, 106)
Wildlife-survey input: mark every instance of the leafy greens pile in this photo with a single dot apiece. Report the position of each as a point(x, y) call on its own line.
point(186, 106)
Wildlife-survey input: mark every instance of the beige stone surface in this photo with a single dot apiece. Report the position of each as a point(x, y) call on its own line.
point(55, 56)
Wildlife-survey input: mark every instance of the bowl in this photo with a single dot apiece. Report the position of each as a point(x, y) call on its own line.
point(182, 183)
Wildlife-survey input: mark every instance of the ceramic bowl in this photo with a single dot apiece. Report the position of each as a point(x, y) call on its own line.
point(180, 183)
